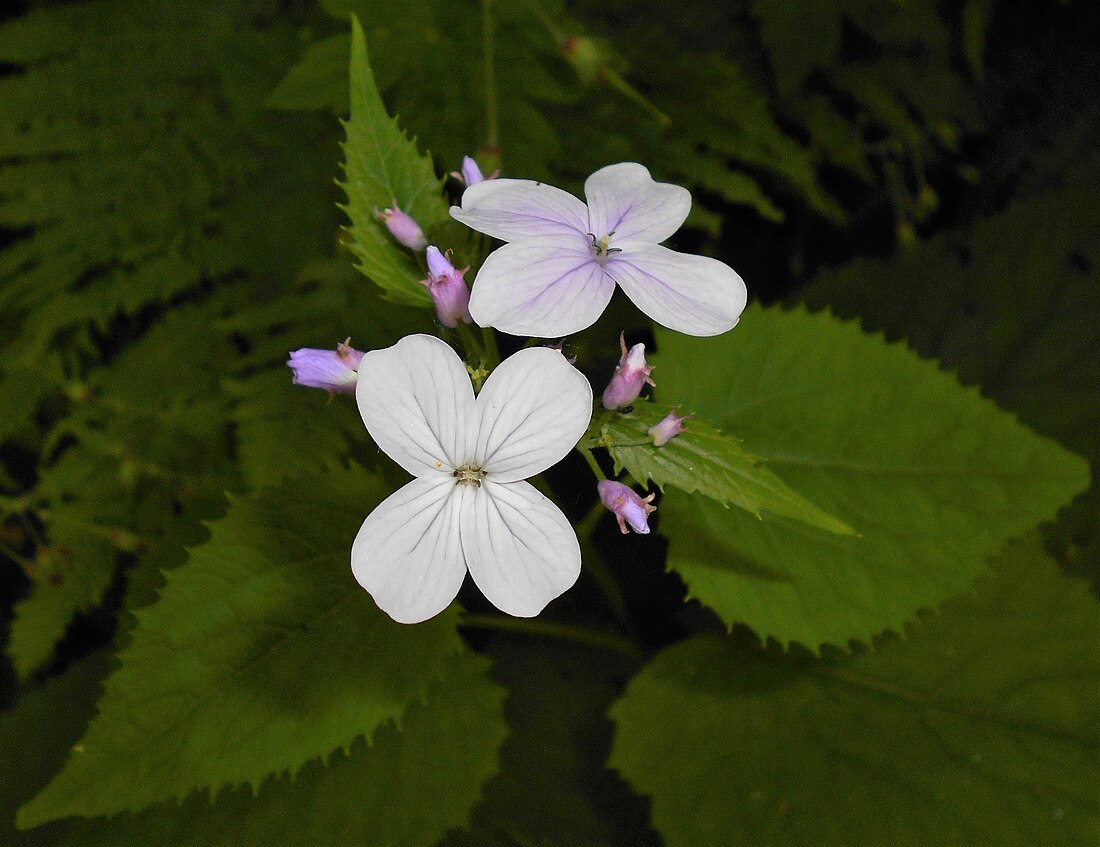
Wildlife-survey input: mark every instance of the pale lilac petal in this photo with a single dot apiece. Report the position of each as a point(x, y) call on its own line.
point(408, 553)
point(418, 404)
point(511, 209)
point(546, 288)
point(533, 410)
point(520, 549)
point(625, 200)
point(695, 295)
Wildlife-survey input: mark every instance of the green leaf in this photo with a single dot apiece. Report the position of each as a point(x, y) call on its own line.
point(261, 654)
point(381, 167)
point(318, 80)
point(703, 459)
point(406, 788)
point(979, 729)
point(554, 787)
point(1010, 302)
point(36, 735)
point(934, 478)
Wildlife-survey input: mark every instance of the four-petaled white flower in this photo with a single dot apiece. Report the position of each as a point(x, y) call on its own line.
point(558, 271)
point(469, 507)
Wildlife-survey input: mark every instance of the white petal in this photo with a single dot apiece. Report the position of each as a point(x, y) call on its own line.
point(408, 553)
point(625, 200)
point(418, 404)
point(691, 294)
point(510, 209)
point(520, 549)
point(546, 288)
point(533, 410)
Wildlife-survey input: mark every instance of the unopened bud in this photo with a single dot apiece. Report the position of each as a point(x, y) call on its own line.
point(403, 227)
point(629, 508)
point(333, 370)
point(631, 374)
point(448, 289)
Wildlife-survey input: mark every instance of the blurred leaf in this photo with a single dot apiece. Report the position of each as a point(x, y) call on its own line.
point(261, 654)
point(799, 36)
point(934, 478)
point(703, 459)
point(382, 168)
point(319, 80)
point(36, 735)
point(981, 728)
point(149, 452)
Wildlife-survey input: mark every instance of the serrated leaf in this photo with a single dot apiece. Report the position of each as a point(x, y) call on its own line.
point(934, 478)
point(1011, 303)
point(261, 654)
point(405, 788)
point(381, 167)
point(702, 459)
point(981, 728)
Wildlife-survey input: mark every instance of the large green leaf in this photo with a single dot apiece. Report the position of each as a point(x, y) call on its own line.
point(1011, 303)
point(703, 459)
point(382, 167)
point(934, 478)
point(261, 654)
point(405, 788)
point(981, 728)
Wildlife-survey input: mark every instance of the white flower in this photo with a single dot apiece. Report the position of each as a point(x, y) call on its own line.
point(468, 507)
point(559, 270)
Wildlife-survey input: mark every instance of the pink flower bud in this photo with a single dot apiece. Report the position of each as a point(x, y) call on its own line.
point(333, 370)
point(630, 375)
point(667, 428)
point(448, 289)
point(402, 227)
point(628, 507)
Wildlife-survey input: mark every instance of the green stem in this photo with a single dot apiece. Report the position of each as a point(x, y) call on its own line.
point(474, 351)
point(540, 628)
point(592, 463)
point(492, 352)
point(492, 125)
point(631, 93)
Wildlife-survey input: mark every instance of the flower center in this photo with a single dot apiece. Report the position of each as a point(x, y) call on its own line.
point(469, 475)
point(601, 247)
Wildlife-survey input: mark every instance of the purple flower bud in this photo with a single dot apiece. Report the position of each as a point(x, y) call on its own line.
point(403, 227)
point(667, 428)
point(471, 174)
point(631, 374)
point(332, 370)
point(448, 289)
point(628, 507)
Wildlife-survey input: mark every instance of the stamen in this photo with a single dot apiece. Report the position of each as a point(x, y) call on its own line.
point(469, 475)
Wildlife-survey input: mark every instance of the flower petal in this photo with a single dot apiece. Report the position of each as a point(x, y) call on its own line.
point(533, 410)
point(418, 404)
point(546, 288)
point(520, 549)
point(625, 200)
point(691, 294)
point(511, 209)
point(408, 553)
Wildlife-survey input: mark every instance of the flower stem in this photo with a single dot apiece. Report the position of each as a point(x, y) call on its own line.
point(492, 125)
point(546, 629)
point(470, 344)
point(492, 352)
point(592, 463)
